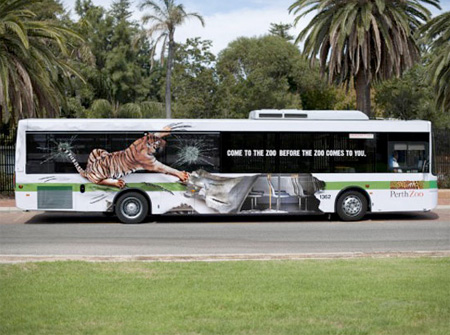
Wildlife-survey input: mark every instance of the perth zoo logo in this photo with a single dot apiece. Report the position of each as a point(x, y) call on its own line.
point(410, 189)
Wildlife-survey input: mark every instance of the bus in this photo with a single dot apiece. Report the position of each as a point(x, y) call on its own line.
point(275, 162)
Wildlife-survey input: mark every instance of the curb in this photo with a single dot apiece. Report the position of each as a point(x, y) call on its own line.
point(220, 257)
point(10, 209)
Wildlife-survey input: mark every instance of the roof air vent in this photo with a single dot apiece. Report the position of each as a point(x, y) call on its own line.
point(294, 114)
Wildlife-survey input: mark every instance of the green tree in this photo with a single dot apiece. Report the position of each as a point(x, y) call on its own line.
point(281, 30)
point(48, 10)
point(194, 80)
point(117, 71)
point(166, 17)
point(315, 92)
point(102, 108)
point(95, 26)
point(437, 34)
point(121, 61)
point(268, 72)
point(410, 97)
point(359, 41)
point(34, 63)
point(255, 73)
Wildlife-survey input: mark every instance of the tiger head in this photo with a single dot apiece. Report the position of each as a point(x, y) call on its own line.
point(152, 144)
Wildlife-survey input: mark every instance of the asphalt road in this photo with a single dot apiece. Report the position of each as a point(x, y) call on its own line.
point(82, 234)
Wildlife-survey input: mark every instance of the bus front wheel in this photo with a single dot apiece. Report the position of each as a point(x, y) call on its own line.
point(351, 206)
point(131, 207)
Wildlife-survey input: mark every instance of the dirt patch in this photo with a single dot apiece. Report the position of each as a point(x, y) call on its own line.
point(444, 197)
point(7, 202)
point(222, 258)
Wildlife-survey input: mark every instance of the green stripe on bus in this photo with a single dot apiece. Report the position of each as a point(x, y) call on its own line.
point(54, 188)
point(33, 187)
point(174, 187)
point(370, 185)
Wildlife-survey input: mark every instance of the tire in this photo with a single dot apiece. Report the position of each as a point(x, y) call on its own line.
point(131, 208)
point(351, 206)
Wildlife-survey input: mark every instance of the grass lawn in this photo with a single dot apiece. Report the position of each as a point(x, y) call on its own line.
point(361, 296)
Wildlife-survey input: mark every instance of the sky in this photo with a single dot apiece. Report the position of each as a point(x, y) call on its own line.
point(227, 20)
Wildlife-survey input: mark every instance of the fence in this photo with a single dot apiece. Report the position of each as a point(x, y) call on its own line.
point(442, 157)
point(7, 151)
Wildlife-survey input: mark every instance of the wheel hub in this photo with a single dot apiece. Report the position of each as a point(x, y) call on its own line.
point(131, 208)
point(352, 205)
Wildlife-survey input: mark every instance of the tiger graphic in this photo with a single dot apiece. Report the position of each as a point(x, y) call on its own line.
point(105, 168)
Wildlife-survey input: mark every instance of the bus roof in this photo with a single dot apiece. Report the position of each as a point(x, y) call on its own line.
point(248, 125)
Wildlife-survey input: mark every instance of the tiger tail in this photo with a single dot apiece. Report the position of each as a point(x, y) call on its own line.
point(75, 163)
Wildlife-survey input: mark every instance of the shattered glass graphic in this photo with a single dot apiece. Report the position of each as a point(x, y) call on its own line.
point(193, 151)
point(56, 150)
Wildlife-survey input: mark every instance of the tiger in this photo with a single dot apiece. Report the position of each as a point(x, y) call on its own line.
point(105, 168)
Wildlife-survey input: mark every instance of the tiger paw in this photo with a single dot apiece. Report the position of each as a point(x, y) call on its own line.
point(121, 183)
point(184, 176)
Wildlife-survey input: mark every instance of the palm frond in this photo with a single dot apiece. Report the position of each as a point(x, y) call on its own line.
point(358, 40)
point(32, 61)
point(197, 16)
point(165, 16)
point(437, 34)
point(373, 35)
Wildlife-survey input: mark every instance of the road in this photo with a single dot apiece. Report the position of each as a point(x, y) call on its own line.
point(82, 234)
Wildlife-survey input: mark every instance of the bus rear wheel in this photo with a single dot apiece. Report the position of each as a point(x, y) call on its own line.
point(351, 206)
point(131, 208)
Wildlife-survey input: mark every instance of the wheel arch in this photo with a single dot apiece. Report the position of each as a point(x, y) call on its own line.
point(356, 189)
point(136, 190)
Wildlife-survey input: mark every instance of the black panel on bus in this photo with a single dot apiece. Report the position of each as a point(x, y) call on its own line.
point(241, 152)
point(308, 152)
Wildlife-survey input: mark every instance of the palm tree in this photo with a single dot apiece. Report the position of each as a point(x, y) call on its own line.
point(437, 34)
point(166, 17)
point(31, 64)
point(359, 41)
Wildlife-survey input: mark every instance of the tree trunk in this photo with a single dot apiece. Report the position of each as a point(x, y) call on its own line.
point(169, 76)
point(362, 87)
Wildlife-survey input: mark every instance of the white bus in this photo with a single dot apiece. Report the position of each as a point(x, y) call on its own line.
point(277, 161)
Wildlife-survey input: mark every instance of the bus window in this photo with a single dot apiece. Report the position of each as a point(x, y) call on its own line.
point(408, 157)
point(44, 156)
point(417, 157)
point(192, 151)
